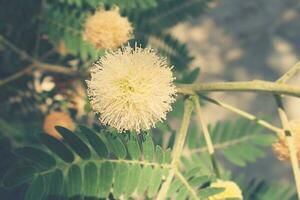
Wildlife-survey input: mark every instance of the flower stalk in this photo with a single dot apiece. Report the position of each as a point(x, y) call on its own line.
point(178, 147)
point(208, 141)
point(180, 140)
point(290, 141)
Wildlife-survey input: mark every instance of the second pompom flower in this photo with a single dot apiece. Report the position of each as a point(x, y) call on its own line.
point(131, 88)
point(107, 29)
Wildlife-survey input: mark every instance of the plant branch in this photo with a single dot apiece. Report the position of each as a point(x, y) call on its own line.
point(246, 86)
point(22, 72)
point(38, 64)
point(287, 129)
point(291, 72)
point(290, 141)
point(16, 75)
point(178, 147)
point(242, 113)
point(208, 141)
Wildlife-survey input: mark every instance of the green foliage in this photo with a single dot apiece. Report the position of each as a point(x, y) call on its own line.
point(196, 182)
point(65, 25)
point(239, 142)
point(112, 164)
point(168, 12)
point(261, 190)
point(125, 4)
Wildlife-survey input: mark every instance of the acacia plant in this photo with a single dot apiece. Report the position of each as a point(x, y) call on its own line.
point(114, 136)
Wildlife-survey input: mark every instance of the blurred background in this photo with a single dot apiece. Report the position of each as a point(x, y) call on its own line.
point(247, 40)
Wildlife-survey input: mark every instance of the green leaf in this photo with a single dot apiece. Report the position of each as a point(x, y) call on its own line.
point(75, 142)
point(121, 175)
point(192, 172)
point(74, 182)
point(134, 148)
point(132, 181)
point(191, 77)
point(174, 187)
point(38, 156)
point(155, 182)
point(167, 156)
point(57, 147)
point(177, 109)
point(18, 175)
point(144, 180)
point(159, 154)
point(241, 141)
point(231, 155)
point(264, 139)
point(199, 181)
point(36, 189)
point(148, 148)
point(56, 184)
point(207, 192)
point(182, 194)
point(90, 182)
point(105, 179)
point(117, 146)
point(95, 141)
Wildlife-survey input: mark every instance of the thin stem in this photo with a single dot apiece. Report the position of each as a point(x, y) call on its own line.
point(242, 113)
point(291, 72)
point(246, 86)
point(165, 186)
point(54, 68)
point(208, 141)
point(178, 147)
point(186, 184)
point(224, 145)
point(290, 142)
point(16, 75)
point(180, 139)
point(23, 72)
point(38, 64)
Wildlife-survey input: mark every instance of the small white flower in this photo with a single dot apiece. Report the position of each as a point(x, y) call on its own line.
point(131, 88)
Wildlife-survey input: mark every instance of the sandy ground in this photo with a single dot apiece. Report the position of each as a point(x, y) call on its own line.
point(245, 40)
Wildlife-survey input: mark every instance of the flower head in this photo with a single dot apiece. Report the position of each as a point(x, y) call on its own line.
point(131, 88)
point(232, 190)
point(281, 149)
point(107, 29)
point(57, 119)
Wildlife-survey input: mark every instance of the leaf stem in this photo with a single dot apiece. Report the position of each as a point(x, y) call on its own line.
point(291, 72)
point(242, 113)
point(244, 86)
point(208, 141)
point(290, 141)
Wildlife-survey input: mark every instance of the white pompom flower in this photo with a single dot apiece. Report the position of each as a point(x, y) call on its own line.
point(131, 88)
